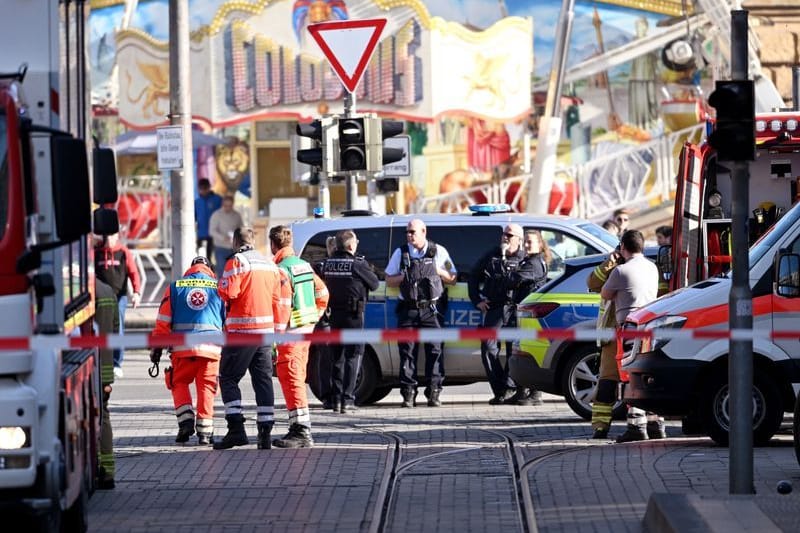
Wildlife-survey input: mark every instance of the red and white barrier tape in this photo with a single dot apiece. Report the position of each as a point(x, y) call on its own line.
point(375, 336)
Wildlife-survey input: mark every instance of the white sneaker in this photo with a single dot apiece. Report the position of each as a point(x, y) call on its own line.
point(118, 372)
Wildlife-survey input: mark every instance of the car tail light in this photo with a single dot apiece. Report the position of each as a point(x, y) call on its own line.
point(536, 310)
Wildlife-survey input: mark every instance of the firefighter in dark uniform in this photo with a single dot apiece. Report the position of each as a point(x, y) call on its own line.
point(349, 279)
point(107, 318)
point(420, 269)
point(492, 292)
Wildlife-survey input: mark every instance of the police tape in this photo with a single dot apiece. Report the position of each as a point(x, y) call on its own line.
point(379, 336)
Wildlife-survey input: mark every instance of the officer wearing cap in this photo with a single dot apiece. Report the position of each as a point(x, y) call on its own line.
point(349, 279)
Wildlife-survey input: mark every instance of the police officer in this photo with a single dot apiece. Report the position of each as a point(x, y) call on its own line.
point(491, 290)
point(323, 350)
point(349, 279)
point(420, 269)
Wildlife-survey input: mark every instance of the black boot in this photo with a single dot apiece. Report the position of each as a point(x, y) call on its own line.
point(264, 433)
point(433, 398)
point(409, 398)
point(656, 429)
point(633, 434)
point(235, 436)
point(185, 430)
point(299, 436)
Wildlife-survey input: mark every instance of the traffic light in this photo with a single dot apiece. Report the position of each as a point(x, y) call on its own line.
point(734, 136)
point(311, 156)
point(352, 144)
point(391, 128)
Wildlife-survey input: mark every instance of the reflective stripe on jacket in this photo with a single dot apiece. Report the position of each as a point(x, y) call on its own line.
point(255, 293)
point(309, 297)
point(191, 304)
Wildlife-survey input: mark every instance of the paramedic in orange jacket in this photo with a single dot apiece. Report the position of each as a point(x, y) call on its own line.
point(192, 305)
point(256, 298)
point(309, 299)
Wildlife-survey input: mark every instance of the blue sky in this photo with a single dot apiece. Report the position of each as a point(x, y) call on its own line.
point(618, 23)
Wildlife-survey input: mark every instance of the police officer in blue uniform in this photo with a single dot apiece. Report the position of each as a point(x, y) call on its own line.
point(420, 270)
point(349, 279)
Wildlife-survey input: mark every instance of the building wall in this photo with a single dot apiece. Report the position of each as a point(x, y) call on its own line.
point(777, 24)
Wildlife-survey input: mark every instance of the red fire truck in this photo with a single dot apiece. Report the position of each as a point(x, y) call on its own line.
point(50, 398)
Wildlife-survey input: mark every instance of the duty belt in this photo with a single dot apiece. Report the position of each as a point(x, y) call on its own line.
point(420, 304)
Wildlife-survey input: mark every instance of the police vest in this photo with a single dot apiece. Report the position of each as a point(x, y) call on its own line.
point(196, 305)
point(421, 282)
point(497, 285)
point(301, 276)
point(347, 291)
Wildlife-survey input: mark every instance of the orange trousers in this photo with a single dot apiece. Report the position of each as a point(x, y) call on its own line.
point(200, 370)
point(291, 369)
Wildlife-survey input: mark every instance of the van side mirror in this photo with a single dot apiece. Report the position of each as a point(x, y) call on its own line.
point(787, 275)
point(105, 177)
point(71, 198)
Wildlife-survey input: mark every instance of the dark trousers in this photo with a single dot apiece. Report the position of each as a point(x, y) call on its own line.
point(324, 364)
point(235, 361)
point(209, 242)
point(412, 317)
point(346, 358)
point(497, 317)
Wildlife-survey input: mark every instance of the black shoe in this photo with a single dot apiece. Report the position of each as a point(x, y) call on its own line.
point(185, 430)
point(327, 404)
point(105, 483)
point(502, 398)
point(656, 430)
point(236, 435)
point(204, 439)
point(600, 433)
point(632, 434)
point(348, 407)
point(264, 442)
point(409, 398)
point(336, 406)
point(433, 399)
point(299, 436)
point(532, 397)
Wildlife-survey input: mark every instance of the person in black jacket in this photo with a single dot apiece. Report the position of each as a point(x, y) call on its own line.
point(349, 279)
point(532, 271)
point(324, 357)
point(492, 286)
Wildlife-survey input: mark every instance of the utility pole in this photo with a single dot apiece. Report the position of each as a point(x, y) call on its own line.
point(740, 368)
point(351, 185)
point(544, 167)
point(180, 114)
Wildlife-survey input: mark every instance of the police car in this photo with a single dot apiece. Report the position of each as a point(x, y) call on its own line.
point(466, 237)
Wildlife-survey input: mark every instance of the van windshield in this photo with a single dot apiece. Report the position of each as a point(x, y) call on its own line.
point(776, 232)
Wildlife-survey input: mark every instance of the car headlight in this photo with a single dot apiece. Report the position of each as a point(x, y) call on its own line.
point(13, 438)
point(664, 322)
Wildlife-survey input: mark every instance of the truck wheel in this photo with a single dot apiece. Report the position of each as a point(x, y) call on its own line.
point(379, 394)
point(767, 408)
point(579, 382)
point(368, 378)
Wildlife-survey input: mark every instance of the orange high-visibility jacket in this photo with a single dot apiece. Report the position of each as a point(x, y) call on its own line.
point(255, 294)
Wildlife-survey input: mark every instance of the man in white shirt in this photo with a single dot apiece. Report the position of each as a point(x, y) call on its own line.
point(221, 226)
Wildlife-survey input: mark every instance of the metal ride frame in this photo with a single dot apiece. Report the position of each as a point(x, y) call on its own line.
point(642, 174)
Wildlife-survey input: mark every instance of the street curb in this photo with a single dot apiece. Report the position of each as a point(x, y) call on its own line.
point(689, 513)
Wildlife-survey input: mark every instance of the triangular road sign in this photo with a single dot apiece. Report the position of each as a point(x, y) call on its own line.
point(348, 46)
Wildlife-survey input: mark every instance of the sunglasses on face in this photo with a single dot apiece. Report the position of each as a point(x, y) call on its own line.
point(508, 235)
point(411, 231)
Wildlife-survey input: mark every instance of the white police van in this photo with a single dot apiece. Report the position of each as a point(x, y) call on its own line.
point(467, 237)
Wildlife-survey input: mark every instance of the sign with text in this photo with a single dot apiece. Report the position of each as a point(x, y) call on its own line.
point(401, 168)
point(169, 141)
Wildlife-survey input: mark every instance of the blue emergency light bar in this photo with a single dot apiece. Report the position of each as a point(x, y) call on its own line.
point(488, 209)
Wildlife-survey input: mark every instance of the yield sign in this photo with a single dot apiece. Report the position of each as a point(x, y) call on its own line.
point(348, 46)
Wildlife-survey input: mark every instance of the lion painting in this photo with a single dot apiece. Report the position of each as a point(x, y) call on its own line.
point(233, 163)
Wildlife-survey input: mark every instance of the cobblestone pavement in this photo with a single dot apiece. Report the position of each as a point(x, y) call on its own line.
point(466, 466)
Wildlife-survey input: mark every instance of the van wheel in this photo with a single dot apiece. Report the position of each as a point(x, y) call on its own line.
point(379, 394)
point(579, 382)
point(368, 379)
point(767, 408)
point(796, 429)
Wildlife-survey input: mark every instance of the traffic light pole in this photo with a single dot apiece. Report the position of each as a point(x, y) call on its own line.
point(351, 187)
point(740, 367)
